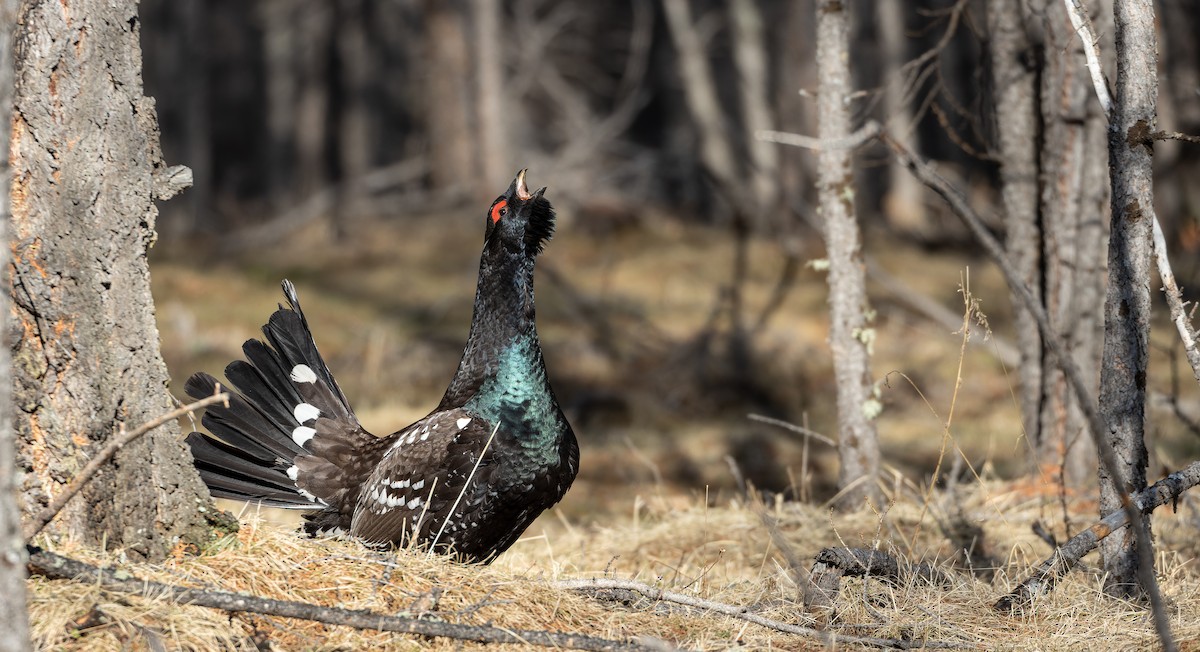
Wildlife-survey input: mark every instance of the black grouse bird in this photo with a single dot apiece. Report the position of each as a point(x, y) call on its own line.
point(467, 479)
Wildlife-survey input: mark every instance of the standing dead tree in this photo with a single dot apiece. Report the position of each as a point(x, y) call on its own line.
point(86, 170)
point(850, 333)
point(1127, 305)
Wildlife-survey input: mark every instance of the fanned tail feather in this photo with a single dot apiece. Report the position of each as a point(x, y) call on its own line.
point(288, 436)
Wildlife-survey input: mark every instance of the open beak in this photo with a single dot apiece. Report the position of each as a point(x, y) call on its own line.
point(522, 189)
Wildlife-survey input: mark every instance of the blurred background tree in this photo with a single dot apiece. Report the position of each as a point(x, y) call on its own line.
point(358, 118)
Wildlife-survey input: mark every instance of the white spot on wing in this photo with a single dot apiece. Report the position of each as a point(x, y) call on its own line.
point(302, 434)
point(418, 485)
point(306, 412)
point(303, 373)
point(293, 472)
point(414, 503)
point(462, 423)
point(400, 485)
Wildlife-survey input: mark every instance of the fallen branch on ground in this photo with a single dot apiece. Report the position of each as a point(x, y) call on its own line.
point(1047, 574)
point(93, 466)
point(55, 566)
point(610, 589)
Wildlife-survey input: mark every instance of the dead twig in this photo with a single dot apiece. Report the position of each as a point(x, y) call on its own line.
point(93, 466)
point(1047, 573)
point(803, 432)
point(55, 566)
point(855, 140)
point(595, 587)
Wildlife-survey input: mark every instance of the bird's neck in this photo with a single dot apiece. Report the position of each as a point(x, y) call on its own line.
point(503, 333)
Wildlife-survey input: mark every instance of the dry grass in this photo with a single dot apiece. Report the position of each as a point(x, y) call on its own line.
point(653, 501)
point(720, 552)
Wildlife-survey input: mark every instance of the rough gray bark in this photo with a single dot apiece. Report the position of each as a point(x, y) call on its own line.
point(86, 171)
point(1127, 305)
point(1074, 207)
point(850, 332)
point(1015, 85)
point(14, 620)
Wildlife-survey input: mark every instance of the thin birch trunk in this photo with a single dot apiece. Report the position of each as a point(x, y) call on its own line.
point(850, 333)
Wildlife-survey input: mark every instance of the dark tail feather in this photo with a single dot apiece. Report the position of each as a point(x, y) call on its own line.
point(259, 436)
point(230, 472)
point(288, 333)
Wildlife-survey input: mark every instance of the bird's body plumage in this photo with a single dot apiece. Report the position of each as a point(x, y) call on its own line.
point(467, 479)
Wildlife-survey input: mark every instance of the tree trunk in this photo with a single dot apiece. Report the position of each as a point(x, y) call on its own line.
point(491, 107)
point(1074, 205)
point(451, 155)
point(1015, 87)
point(279, 45)
point(86, 171)
point(716, 151)
point(850, 333)
point(14, 620)
point(753, 73)
point(314, 27)
point(1127, 306)
point(354, 127)
point(904, 200)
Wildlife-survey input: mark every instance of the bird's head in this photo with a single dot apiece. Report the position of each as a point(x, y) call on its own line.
point(520, 221)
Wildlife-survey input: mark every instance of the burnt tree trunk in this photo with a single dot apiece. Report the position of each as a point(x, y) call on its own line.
point(850, 332)
point(1127, 305)
point(14, 621)
point(86, 171)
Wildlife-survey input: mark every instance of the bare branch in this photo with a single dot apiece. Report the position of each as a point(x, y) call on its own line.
point(791, 427)
point(93, 466)
point(56, 566)
point(1091, 52)
point(867, 132)
point(1047, 574)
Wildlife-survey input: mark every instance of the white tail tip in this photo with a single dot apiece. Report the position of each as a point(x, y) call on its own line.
point(303, 373)
point(306, 412)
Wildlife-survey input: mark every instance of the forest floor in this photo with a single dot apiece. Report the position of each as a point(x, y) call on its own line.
point(674, 477)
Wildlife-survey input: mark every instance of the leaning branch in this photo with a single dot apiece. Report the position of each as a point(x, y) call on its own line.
point(613, 589)
point(1087, 404)
point(1047, 574)
point(93, 466)
point(54, 566)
